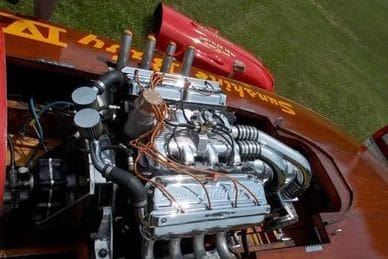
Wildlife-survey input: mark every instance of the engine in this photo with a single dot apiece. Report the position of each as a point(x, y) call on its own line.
point(192, 173)
point(224, 172)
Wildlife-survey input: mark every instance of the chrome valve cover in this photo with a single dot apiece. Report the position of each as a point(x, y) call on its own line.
point(191, 214)
point(175, 87)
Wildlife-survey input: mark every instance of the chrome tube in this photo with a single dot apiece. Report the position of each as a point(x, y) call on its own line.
point(147, 249)
point(125, 48)
point(199, 246)
point(174, 247)
point(95, 153)
point(290, 154)
point(148, 53)
point(188, 61)
point(168, 58)
point(222, 247)
point(245, 132)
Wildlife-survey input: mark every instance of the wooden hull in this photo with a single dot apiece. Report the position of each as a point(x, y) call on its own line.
point(354, 226)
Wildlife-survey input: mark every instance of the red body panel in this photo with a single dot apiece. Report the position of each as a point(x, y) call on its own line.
point(3, 116)
point(213, 52)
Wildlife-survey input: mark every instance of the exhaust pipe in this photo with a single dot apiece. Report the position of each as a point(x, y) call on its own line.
point(199, 246)
point(222, 247)
point(188, 61)
point(147, 249)
point(168, 57)
point(148, 53)
point(125, 48)
point(175, 248)
point(249, 133)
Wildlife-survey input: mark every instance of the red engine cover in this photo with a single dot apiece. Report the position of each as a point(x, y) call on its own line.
point(213, 52)
point(3, 118)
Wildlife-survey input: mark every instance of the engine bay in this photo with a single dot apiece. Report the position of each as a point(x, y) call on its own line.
point(155, 163)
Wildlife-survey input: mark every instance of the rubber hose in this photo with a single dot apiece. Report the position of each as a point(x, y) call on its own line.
point(126, 180)
point(113, 77)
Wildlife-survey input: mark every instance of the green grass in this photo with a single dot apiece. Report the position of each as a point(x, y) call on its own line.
point(328, 55)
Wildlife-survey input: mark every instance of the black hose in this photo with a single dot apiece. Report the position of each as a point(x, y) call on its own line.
point(126, 180)
point(50, 105)
point(184, 113)
point(37, 121)
point(183, 125)
point(110, 78)
point(294, 188)
point(45, 109)
point(173, 136)
point(227, 133)
point(119, 176)
point(12, 151)
point(217, 117)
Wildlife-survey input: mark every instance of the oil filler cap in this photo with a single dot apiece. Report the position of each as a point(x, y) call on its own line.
point(88, 122)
